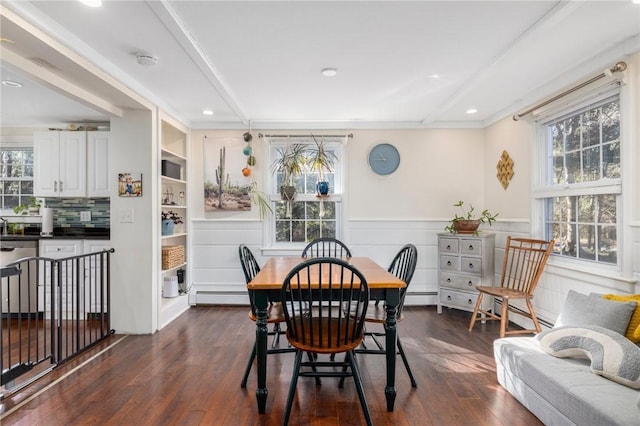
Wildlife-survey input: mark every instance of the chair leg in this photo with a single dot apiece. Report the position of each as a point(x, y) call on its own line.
point(312, 357)
point(504, 317)
point(377, 342)
point(292, 387)
point(406, 364)
point(356, 377)
point(247, 370)
point(534, 318)
point(474, 316)
point(344, 370)
point(276, 336)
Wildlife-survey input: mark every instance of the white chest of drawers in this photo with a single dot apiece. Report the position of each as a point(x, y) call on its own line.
point(464, 261)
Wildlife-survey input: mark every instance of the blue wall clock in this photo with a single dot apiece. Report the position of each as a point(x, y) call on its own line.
point(384, 159)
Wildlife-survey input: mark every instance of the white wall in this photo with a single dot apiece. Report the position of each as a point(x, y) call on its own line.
point(560, 277)
point(438, 167)
point(382, 213)
point(134, 264)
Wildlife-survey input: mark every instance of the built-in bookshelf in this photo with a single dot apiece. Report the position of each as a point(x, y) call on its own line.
point(174, 250)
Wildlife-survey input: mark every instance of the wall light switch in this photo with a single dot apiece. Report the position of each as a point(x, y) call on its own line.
point(126, 215)
point(85, 216)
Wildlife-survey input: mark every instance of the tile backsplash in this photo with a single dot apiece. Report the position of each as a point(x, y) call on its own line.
point(66, 211)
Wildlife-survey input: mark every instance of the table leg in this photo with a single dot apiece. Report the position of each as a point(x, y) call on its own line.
point(391, 333)
point(261, 349)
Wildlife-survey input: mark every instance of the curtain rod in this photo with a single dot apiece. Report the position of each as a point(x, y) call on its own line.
point(618, 67)
point(260, 135)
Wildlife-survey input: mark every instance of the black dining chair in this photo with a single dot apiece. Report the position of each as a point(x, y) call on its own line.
point(326, 247)
point(325, 328)
point(402, 266)
point(275, 314)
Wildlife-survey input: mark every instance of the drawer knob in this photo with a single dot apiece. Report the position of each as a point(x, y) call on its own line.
point(449, 298)
point(448, 247)
point(448, 280)
point(470, 283)
point(471, 247)
point(470, 302)
point(471, 266)
point(448, 263)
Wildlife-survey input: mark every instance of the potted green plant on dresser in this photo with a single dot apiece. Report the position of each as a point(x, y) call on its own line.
point(469, 221)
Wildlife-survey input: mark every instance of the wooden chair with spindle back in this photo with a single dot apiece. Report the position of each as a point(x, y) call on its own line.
point(524, 261)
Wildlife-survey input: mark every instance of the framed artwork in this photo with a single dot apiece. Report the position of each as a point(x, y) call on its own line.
point(226, 188)
point(130, 184)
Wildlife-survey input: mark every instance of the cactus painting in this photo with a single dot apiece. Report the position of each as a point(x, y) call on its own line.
point(225, 187)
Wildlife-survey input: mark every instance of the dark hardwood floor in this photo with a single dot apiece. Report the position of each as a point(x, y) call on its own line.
point(189, 374)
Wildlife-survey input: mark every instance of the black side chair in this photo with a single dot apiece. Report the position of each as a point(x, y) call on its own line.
point(402, 266)
point(326, 328)
point(275, 314)
point(326, 247)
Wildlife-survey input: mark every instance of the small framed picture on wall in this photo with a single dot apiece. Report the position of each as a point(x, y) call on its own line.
point(130, 184)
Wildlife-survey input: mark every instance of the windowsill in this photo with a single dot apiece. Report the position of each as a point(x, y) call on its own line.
point(562, 268)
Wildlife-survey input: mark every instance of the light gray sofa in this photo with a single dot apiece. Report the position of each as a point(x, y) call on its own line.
point(583, 371)
point(562, 391)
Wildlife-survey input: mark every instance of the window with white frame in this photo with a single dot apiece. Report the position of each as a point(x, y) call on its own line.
point(581, 190)
point(308, 215)
point(16, 177)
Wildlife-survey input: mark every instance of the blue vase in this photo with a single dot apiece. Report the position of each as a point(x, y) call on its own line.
point(167, 227)
point(322, 187)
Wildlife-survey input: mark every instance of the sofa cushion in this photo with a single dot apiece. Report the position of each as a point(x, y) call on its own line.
point(582, 310)
point(562, 391)
point(633, 329)
point(612, 355)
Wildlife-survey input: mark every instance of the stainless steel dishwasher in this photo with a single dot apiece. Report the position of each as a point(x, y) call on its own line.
point(14, 298)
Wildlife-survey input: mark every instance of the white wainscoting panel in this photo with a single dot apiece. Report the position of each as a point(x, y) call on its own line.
point(218, 279)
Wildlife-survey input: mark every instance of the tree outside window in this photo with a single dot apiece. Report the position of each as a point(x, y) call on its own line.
point(308, 216)
point(16, 177)
point(584, 182)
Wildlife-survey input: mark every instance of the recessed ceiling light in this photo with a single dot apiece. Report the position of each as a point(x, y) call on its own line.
point(92, 3)
point(472, 111)
point(207, 112)
point(11, 83)
point(435, 76)
point(329, 72)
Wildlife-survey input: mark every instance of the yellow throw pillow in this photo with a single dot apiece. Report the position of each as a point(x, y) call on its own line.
point(633, 329)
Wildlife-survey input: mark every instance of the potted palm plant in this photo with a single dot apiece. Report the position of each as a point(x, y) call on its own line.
point(321, 160)
point(290, 162)
point(469, 222)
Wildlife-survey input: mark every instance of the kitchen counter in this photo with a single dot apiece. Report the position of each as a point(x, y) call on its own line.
point(21, 237)
point(62, 233)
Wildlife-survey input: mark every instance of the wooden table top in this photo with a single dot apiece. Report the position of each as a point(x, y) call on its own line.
point(276, 269)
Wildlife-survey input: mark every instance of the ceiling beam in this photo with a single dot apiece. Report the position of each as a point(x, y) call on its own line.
point(60, 85)
point(556, 14)
point(189, 44)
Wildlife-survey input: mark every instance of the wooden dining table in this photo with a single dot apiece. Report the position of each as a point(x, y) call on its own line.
point(267, 286)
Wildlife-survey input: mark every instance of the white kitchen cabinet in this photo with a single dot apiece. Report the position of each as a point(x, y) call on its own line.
point(71, 164)
point(98, 179)
point(60, 164)
point(96, 275)
point(88, 284)
point(58, 249)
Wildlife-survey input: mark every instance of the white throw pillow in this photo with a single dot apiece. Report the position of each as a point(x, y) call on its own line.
point(612, 355)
